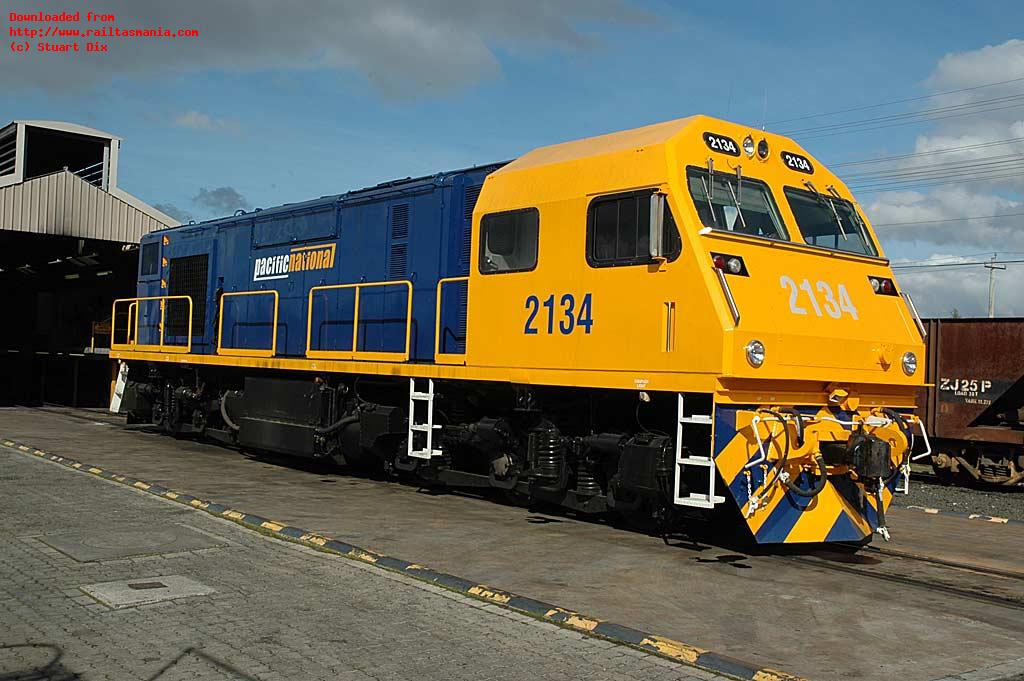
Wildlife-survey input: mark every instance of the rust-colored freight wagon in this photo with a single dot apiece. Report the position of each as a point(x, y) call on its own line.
point(975, 406)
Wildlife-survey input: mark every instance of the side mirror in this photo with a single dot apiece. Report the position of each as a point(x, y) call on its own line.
point(657, 227)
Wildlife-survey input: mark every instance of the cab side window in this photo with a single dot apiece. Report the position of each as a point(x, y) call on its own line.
point(150, 259)
point(619, 233)
point(508, 241)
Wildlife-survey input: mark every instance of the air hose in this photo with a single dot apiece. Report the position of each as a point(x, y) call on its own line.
point(798, 421)
point(898, 419)
point(224, 411)
point(820, 485)
point(337, 425)
point(785, 452)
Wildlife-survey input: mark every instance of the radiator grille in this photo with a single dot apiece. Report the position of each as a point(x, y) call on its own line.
point(398, 250)
point(398, 261)
point(468, 204)
point(400, 221)
point(472, 194)
point(187, 276)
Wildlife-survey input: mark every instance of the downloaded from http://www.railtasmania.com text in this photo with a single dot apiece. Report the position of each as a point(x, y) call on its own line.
point(80, 32)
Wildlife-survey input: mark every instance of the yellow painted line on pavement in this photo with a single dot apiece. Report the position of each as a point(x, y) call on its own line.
point(674, 649)
point(491, 595)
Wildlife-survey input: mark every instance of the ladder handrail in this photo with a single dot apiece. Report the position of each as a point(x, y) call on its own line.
point(447, 357)
point(355, 353)
point(133, 339)
point(246, 352)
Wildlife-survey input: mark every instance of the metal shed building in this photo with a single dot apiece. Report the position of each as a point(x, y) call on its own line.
point(68, 240)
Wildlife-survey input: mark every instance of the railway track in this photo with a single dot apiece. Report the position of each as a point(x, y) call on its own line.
point(1004, 588)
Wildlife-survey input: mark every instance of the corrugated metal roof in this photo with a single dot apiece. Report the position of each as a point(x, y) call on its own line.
point(63, 204)
point(67, 127)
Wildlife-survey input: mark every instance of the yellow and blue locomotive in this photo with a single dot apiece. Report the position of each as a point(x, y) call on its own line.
point(692, 314)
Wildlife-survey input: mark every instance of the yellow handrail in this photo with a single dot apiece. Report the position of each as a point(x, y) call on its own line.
point(355, 352)
point(246, 352)
point(133, 338)
point(446, 357)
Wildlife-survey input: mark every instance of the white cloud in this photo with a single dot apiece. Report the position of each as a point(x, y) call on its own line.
point(988, 64)
point(940, 291)
point(900, 208)
point(977, 181)
point(196, 120)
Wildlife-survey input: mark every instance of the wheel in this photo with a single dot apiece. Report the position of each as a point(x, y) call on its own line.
point(942, 467)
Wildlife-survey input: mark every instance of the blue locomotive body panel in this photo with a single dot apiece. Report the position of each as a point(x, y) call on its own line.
point(415, 230)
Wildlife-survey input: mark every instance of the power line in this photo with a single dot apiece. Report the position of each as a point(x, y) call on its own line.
point(952, 259)
point(911, 122)
point(948, 150)
point(897, 186)
point(957, 264)
point(909, 114)
point(938, 167)
point(894, 102)
point(929, 222)
point(941, 171)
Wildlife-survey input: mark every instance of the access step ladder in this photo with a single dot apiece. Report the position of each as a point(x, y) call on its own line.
point(706, 499)
point(421, 432)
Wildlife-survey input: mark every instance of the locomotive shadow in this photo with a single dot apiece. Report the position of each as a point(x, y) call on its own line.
point(721, 532)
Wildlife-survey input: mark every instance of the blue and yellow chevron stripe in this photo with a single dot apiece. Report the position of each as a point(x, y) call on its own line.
point(840, 512)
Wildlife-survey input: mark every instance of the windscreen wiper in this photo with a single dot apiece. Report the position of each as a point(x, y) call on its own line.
point(709, 187)
point(822, 200)
point(735, 199)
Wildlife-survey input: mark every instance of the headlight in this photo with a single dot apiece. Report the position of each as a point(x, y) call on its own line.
point(762, 149)
point(755, 353)
point(748, 145)
point(909, 363)
point(734, 265)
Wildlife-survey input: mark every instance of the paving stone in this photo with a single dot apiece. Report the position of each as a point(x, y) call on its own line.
point(258, 608)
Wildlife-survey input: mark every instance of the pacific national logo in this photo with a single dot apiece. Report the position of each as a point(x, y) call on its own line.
point(299, 259)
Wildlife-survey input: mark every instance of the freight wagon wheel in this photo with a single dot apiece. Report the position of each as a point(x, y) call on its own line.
point(943, 473)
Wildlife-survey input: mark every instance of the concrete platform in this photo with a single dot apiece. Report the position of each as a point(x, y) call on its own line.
point(804, 618)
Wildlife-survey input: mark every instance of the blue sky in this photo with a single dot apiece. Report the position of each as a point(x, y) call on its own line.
point(329, 106)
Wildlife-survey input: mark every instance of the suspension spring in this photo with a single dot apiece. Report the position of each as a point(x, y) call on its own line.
point(549, 455)
point(586, 482)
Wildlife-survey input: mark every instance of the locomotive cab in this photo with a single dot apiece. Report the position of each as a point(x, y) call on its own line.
point(743, 270)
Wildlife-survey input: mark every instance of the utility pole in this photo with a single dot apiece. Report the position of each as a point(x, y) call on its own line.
point(992, 267)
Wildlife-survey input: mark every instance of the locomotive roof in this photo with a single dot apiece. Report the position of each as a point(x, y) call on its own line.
point(374, 191)
point(625, 140)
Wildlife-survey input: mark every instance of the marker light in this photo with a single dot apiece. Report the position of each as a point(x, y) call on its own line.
point(883, 286)
point(762, 149)
point(748, 145)
point(909, 363)
point(755, 354)
point(729, 264)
